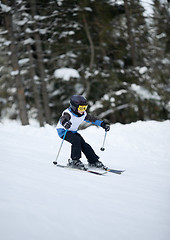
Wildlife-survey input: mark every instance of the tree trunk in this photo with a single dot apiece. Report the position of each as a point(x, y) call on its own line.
point(130, 34)
point(88, 84)
point(39, 54)
point(15, 66)
point(36, 91)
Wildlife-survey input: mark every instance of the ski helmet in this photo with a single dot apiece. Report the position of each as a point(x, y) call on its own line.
point(77, 100)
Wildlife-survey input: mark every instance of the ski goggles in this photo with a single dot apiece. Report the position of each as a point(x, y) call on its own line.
point(82, 108)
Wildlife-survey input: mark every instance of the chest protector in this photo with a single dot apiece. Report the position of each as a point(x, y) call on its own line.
point(75, 120)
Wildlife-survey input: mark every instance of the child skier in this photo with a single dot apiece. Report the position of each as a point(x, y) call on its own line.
point(70, 120)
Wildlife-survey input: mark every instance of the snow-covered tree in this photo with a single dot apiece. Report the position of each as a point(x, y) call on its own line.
point(119, 55)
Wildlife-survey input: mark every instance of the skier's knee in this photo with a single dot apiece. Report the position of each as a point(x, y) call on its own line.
point(77, 140)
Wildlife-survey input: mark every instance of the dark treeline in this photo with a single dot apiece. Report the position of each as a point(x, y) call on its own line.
point(121, 54)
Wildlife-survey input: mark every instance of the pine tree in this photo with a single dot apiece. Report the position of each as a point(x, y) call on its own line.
point(15, 65)
point(160, 70)
point(40, 62)
point(118, 54)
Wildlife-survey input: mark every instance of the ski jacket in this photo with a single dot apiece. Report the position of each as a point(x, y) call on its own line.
point(76, 119)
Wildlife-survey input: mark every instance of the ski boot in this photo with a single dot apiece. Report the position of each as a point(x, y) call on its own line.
point(98, 164)
point(76, 164)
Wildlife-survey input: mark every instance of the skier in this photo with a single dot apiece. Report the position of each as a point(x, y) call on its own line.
point(70, 120)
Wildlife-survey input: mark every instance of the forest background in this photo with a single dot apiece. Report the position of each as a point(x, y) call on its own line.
point(114, 52)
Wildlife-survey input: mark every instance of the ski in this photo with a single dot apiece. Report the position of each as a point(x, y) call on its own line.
point(110, 170)
point(85, 170)
point(115, 171)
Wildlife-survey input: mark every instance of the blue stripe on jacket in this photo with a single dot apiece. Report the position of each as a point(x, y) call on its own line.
point(61, 132)
point(97, 122)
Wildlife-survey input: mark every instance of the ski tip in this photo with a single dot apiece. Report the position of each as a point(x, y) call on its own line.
point(116, 171)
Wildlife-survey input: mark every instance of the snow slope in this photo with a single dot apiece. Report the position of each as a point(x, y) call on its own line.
point(39, 201)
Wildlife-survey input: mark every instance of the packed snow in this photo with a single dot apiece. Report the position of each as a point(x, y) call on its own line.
point(39, 201)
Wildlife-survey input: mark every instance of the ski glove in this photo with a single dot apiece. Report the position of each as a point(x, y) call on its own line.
point(67, 124)
point(105, 125)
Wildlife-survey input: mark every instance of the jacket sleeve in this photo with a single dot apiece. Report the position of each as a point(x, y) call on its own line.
point(65, 118)
point(91, 119)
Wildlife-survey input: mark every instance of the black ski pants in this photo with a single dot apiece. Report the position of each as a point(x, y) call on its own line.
point(79, 145)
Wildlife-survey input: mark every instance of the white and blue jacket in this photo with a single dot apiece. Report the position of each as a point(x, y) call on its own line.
point(76, 119)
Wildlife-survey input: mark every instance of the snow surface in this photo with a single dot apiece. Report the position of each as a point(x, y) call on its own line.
point(144, 93)
point(148, 6)
point(66, 73)
point(4, 7)
point(39, 201)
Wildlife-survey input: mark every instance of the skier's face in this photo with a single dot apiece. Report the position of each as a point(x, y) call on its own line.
point(81, 112)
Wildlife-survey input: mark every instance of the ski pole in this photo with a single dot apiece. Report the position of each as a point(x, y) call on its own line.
point(102, 148)
point(55, 162)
